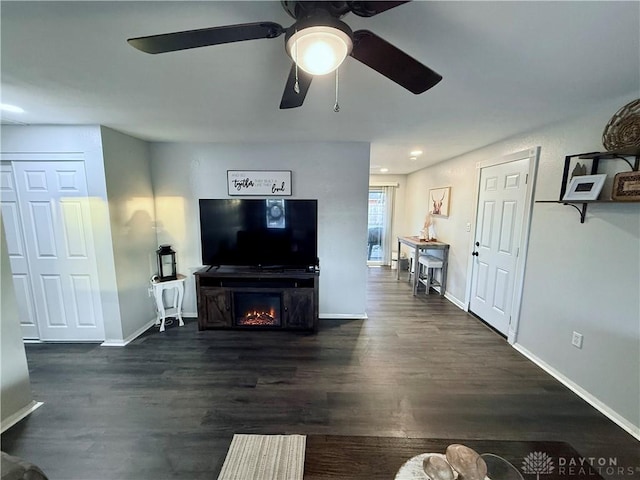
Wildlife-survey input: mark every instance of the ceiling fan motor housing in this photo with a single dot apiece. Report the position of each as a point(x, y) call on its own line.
point(300, 9)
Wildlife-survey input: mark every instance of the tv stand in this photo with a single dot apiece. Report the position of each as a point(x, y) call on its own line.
point(291, 293)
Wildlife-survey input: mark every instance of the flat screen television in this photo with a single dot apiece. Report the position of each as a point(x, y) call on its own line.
point(259, 233)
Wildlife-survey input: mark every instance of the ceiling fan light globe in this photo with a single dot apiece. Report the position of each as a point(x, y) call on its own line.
point(319, 50)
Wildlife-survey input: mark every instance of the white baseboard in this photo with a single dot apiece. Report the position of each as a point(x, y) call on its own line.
point(343, 316)
point(622, 422)
point(130, 338)
point(11, 420)
point(455, 301)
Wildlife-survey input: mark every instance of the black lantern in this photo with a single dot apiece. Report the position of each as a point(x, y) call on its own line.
point(166, 263)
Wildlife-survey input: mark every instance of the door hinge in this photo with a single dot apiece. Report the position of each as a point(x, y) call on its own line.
point(526, 179)
point(517, 251)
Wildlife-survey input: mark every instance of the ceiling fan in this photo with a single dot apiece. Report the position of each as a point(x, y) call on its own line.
point(318, 42)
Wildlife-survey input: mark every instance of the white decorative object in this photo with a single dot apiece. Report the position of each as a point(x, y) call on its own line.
point(585, 187)
point(176, 305)
point(437, 468)
point(466, 461)
point(259, 182)
point(428, 231)
point(413, 468)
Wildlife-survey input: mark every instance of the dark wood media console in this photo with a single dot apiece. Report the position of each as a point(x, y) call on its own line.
point(285, 299)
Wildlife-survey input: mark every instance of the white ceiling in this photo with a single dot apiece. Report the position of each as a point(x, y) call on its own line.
point(508, 67)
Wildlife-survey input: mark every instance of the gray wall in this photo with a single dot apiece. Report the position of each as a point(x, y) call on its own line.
point(15, 388)
point(336, 174)
point(132, 217)
point(582, 277)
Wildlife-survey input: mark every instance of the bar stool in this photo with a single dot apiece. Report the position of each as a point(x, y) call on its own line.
point(426, 266)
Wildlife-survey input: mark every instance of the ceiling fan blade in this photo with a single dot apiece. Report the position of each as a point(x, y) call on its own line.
point(369, 9)
point(171, 42)
point(392, 62)
point(291, 99)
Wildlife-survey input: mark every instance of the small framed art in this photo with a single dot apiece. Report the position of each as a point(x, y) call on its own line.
point(584, 188)
point(626, 187)
point(439, 201)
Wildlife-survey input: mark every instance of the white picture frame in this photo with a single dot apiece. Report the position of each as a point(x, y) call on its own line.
point(584, 188)
point(439, 201)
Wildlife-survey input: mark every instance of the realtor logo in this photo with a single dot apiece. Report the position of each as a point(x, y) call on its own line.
point(537, 463)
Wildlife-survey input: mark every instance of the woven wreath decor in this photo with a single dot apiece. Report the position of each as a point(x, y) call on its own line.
point(623, 130)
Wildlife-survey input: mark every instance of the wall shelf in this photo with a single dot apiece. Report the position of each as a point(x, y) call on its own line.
point(581, 205)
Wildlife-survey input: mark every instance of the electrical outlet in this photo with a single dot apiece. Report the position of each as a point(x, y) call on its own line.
point(576, 340)
point(468, 227)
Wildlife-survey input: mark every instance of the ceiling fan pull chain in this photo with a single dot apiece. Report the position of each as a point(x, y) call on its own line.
point(296, 86)
point(336, 107)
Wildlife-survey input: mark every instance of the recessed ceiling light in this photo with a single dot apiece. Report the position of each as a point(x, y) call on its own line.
point(10, 108)
point(384, 170)
point(413, 158)
point(415, 153)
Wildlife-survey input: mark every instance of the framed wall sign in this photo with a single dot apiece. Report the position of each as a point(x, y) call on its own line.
point(439, 201)
point(585, 187)
point(259, 182)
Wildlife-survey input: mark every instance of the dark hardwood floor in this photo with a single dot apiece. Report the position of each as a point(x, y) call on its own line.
point(167, 405)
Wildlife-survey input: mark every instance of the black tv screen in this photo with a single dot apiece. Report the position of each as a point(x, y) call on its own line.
point(259, 233)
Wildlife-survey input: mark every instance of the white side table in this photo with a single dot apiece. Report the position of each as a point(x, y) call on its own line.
point(176, 307)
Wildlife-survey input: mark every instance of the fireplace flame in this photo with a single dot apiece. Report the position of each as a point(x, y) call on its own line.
point(258, 318)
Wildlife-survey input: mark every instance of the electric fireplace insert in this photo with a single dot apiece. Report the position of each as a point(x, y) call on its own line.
point(257, 309)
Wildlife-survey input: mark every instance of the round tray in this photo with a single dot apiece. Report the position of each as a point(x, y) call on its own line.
point(498, 467)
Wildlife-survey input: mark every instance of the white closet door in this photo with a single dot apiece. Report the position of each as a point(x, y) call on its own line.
point(17, 253)
point(62, 260)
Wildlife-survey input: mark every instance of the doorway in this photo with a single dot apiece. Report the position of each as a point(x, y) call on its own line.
point(499, 245)
point(380, 215)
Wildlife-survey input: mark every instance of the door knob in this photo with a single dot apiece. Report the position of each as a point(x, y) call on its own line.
point(477, 244)
point(475, 254)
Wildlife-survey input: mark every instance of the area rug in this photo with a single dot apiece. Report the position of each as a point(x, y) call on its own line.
point(264, 457)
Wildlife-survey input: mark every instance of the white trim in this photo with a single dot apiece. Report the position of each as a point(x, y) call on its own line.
point(42, 156)
point(533, 154)
point(384, 184)
point(633, 430)
point(458, 303)
point(11, 420)
point(130, 338)
point(518, 287)
point(343, 316)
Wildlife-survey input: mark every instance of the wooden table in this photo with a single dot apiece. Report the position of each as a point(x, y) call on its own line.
point(329, 457)
point(419, 246)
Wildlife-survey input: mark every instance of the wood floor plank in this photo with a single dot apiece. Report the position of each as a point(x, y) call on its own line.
point(168, 404)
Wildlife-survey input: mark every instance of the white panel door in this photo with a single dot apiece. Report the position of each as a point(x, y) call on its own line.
point(17, 253)
point(501, 205)
point(59, 242)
